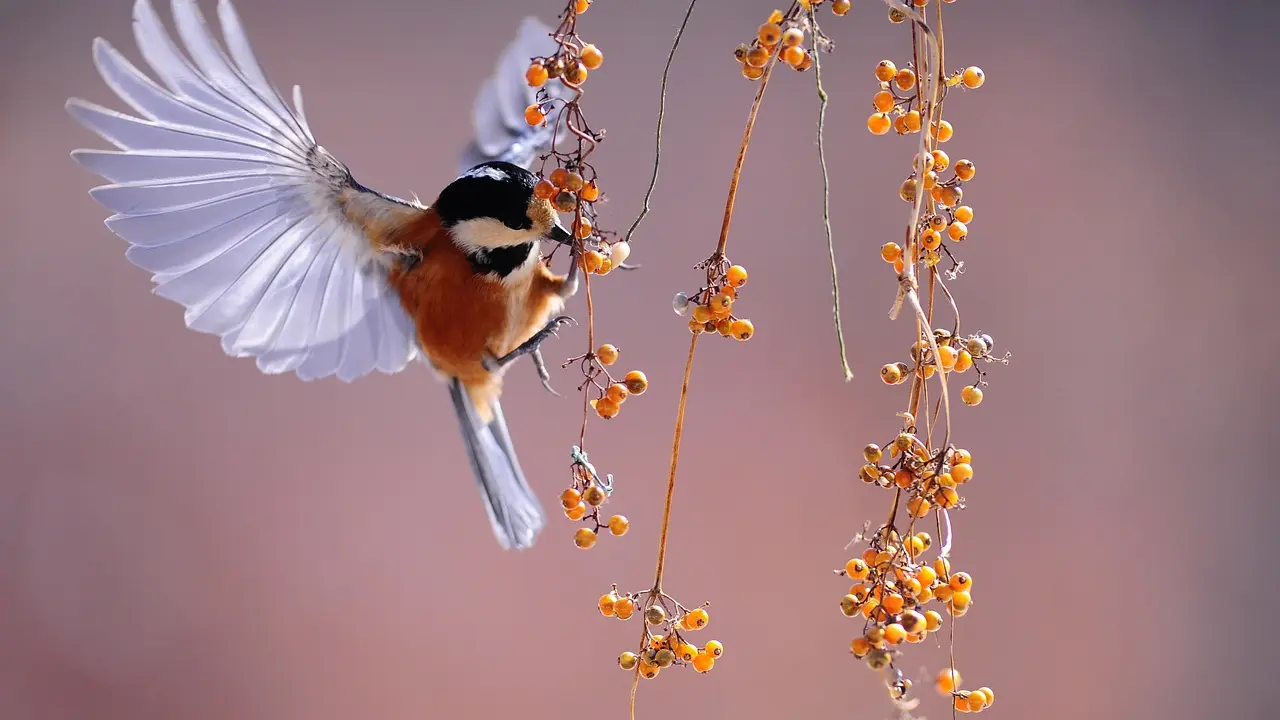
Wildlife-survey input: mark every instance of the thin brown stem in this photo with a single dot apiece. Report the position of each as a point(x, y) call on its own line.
point(675, 459)
point(742, 156)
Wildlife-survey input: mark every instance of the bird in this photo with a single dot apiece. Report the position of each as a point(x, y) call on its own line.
point(267, 239)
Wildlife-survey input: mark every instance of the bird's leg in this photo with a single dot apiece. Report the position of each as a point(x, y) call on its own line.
point(543, 375)
point(493, 364)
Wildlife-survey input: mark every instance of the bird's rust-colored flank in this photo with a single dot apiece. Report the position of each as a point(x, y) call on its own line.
point(462, 316)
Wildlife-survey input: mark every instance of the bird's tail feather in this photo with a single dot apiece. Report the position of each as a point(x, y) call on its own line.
point(513, 509)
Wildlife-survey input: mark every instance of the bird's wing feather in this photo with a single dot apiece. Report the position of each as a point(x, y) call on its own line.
point(224, 195)
point(497, 116)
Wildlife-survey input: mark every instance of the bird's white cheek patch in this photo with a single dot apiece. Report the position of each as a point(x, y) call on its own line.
point(488, 233)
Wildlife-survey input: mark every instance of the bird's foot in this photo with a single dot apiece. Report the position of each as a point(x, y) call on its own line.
point(528, 346)
point(543, 375)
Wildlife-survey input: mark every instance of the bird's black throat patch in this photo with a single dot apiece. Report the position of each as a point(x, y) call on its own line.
point(500, 261)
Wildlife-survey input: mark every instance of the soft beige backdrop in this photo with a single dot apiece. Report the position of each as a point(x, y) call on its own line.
point(184, 538)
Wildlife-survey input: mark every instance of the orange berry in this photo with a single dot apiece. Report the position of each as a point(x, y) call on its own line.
point(580, 7)
point(736, 276)
point(940, 160)
point(582, 228)
point(900, 125)
point(918, 507)
point(960, 600)
point(714, 648)
point(533, 115)
point(688, 652)
point(931, 240)
point(721, 304)
point(593, 496)
point(607, 354)
point(628, 660)
point(907, 191)
point(617, 393)
point(947, 498)
point(742, 329)
point(703, 663)
point(584, 538)
point(636, 382)
point(942, 130)
point(962, 472)
point(973, 77)
point(926, 576)
point(964, 214)
point(575, 74)
point(697, 619)
point(905, 79)
point(957, 231)
point(977, 700)
point(794, 55)
point(899, 266)
point(949, 196)
point(569, 498)
point(961, 582)
point(884, 101)
point(894, 633)
point(964, 362)
point(792, 36)
point(971, 395)
point(892, 603)
point(757, 57)
point(890, 374)
point(751, 72)
point(544, 190)
point(590, 191)
point(856, 569)
point(606, 604)
point(619, 525)
point(591, 261)
point(890, 251)
point(879, 123)
point(991, 696)
point(947, 355)
point(648, 671)
point(948, 680)
point(960, 703)
point(565, 201)
point(912, 121)
point(841, 7)
point(607, 408)
point(536, 75)
point(591, 56)
point(903, 478)
point(769, 33)
point(942, 567)
point(886, 70)
point(577, 512)
point(624, 608)
point(961, 456)
point(932, 620)
point(559, 177)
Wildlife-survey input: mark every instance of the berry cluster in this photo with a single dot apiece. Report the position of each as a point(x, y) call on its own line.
point(711, 308)
point(583, 499)
point(667, 624)
point(948, 684)
point(571, 185)
point(955, 353)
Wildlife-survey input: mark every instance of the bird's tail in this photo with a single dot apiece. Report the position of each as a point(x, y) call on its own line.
point(513, 509)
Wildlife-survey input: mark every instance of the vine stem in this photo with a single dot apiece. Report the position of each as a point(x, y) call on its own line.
point(826, 202)
point(688, 369)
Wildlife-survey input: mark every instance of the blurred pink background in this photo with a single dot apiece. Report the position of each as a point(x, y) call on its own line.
point(183, 537)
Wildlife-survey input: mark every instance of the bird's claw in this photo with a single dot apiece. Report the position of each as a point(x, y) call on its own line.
point(543, 375)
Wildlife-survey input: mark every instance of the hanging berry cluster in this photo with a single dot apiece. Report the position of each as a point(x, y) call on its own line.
point(666, 641)
point(569, 181)
point(894, 583)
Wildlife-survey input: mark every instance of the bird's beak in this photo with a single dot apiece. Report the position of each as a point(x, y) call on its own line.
point(559, 234)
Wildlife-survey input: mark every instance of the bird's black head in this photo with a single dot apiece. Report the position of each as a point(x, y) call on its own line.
point(493, 190)
point(493, 215)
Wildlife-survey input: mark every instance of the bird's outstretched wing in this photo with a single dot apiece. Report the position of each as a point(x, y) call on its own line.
point(223, 193)
point(501, 132)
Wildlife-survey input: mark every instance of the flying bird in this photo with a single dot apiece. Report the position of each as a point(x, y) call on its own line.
point(269, 242)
